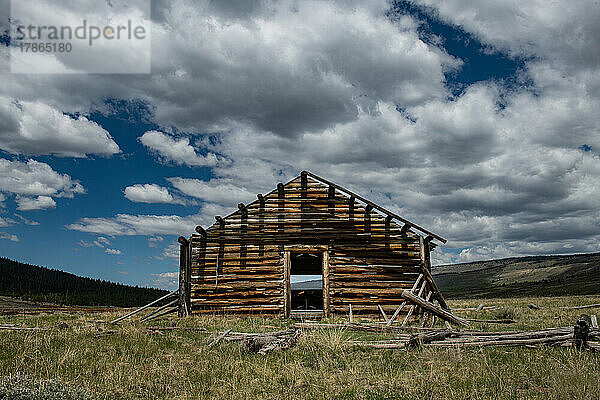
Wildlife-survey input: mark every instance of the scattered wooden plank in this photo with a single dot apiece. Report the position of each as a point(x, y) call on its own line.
point(385, 317)
point(444, 314)
point(554, 340)
point(594, 320)
point(18, 328)
point(173, 293)
point(218, 339)
point(169, 311)
point(175, 328)
point(361, 327)
point(160, 309)
point(581, 307)
point(494, 321)
point(485, 308)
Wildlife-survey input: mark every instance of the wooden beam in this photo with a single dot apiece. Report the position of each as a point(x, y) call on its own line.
point(405, 228)
point(379, 208)
point(326, 284)
point(220, 220)
point(201, 231)
point(242, 208)
point(159, 310)
point(166, 296)
point(183, 253)
point(385, 317)
point(413, 306)
point(399, 309)
point(261, 199)
point(287, 291)
point(434, 287)
point(183, 241)
point(432, 308)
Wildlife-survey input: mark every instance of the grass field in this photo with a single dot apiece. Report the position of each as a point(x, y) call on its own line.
point(133, 364)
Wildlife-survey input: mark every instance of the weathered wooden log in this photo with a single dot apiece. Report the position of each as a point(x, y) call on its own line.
point(218, 339)
point(16, 328)
point(385, 317)
point(388, 344)
point(176, 328)
point(485, 308)
point(443, 314)
point(173, 293)
point(162, 314)
point(421, 338)
point(534, 306)
point(552, 340)
point(494, 321)
point(159, 309)
point(263, 344)
point(359, 327)
point(201, 231)
point(581, 307)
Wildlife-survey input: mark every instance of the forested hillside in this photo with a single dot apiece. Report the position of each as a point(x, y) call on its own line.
point(43, 284)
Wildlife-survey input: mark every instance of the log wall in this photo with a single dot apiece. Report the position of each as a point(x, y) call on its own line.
point(237, 266)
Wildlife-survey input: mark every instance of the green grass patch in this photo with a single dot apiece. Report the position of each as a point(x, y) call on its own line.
point(134, 364)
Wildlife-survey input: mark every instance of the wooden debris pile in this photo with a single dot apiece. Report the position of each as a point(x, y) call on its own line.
point(261, 343)
point(585, 335)
point(266, 343)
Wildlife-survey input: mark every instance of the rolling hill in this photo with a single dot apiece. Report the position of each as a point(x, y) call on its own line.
point(577, 274)
point(31, 282)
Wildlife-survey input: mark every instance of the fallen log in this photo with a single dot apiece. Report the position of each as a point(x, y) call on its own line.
point(17, 328)
point(218, 339)
point(534, 306)
point(384, 344)
point(173, 293)
point(494, 321)
point(421, 338)
point(175, 328)
point(159, 309)
point(361, 327)
point(263, 344)
point(581, 307)
point(162, 314)
point(485, 308)
point(554, 340)
point(441, 313)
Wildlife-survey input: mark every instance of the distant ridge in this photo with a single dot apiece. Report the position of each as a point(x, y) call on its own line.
point(36, 283)
point(555, 275)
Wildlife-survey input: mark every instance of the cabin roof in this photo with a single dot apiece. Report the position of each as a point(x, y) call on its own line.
point(381, 210)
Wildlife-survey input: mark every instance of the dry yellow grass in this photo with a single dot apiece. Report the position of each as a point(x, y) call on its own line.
point(133, 364)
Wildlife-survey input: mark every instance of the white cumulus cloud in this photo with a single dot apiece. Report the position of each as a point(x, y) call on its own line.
point(177, 150)
point(36, 128)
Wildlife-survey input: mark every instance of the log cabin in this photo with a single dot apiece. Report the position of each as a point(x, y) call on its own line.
point(307, 246)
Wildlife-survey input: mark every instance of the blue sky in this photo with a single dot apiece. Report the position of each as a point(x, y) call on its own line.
point(485, 135)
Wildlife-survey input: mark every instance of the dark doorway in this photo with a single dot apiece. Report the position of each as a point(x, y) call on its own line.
point(306, 277)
